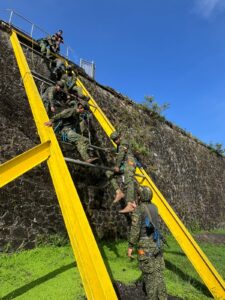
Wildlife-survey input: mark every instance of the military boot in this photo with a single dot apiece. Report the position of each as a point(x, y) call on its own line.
point(129, 208)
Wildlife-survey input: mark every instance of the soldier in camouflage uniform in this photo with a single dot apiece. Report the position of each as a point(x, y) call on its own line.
point(69, 80)
point(143, 235)
point(51, 44)
point(51, 96)
point(68, 122)
point(58, 68)
point(126, 164)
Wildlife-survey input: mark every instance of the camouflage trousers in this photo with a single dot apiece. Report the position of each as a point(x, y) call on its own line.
point(59, 66)
point(112, 178)
point(45, 50)
point(77, 90)
point(47, 105)
point(129, 181)
point(81, 142)
point(128, 171)
point(152, 271)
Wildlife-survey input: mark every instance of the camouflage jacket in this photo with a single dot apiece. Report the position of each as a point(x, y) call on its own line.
point(138, 229)
point(69, 117)
point(69, 81)
point(50, 95)
point(123, 152)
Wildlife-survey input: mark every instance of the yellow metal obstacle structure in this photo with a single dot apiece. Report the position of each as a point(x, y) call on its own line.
point(207, 272)
point(96, 281)
point(201, 263)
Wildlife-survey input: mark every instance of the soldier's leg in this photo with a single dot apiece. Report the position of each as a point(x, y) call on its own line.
point(147, 266)
point(161, 286)
point(83, 127)
point(78, 91)
point(82, 146)
point(118, 192)
point(48, 52)
point(46, 105)
point(59, 66)
point(81, 143)
point(43, 46)
point(111, 177)
point(129, 171)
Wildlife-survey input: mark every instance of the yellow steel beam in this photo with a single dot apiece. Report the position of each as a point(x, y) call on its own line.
point(96, 281)
point(199, 260)
point(23, 163)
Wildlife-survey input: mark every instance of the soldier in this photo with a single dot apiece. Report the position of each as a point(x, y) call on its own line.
point(144, 233)
point(57, 39)
point(58, 68)
point(52, 96)
point(51, 44)
point(126, 164)
point(69, 79)
point(69, 126)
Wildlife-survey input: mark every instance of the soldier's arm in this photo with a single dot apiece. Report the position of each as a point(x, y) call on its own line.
point(135, 228)
point(50, 96)
point(63, 80)
point(66, 113)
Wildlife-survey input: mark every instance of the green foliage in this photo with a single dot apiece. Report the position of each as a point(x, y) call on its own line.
point(152, 105)
point(218, 148)
point(56, 240)
point(138, 148)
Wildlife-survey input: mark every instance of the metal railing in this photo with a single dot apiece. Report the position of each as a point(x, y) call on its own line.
point(88, 67)
point(34, 31)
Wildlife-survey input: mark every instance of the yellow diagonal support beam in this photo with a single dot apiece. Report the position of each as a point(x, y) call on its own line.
point(199, 260)
point(23, 163)
point(96, 281)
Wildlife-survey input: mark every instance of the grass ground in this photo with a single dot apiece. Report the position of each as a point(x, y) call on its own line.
point(49, 272)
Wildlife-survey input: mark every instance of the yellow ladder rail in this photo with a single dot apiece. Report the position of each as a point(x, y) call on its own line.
point(199, 260)
point(24, 162)
point(96, 280)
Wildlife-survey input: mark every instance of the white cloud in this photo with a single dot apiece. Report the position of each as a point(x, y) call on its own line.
point(207, 7)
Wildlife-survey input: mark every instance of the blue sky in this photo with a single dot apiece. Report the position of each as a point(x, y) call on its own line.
point(172, 49)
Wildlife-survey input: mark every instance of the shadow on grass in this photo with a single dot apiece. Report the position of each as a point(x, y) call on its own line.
point(184, 276)
point(22, 290)
point(111, 245)
point(174, 252)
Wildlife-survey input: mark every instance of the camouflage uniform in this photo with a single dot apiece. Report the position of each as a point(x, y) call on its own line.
point(70, 128)
point(112, 178)
point(127, 164)
point(69, 80)
point(49, 98)
point(59, 67)
point(150, 257)
point(50, 44)
point(44, 44)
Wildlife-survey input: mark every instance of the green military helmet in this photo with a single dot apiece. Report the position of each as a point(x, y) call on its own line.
point(115, 135)
point(145, 194)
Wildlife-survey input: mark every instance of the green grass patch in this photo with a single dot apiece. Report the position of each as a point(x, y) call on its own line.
point(49, 272)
